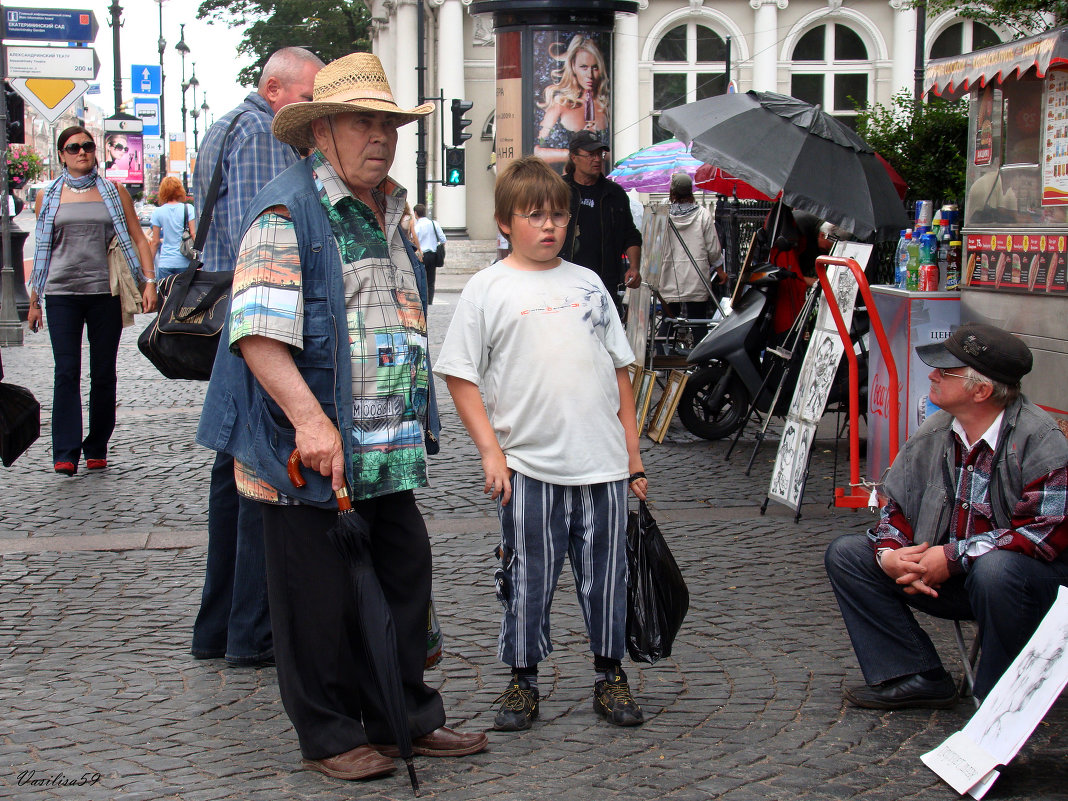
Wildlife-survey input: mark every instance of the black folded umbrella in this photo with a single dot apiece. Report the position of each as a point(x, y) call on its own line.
point(20, 422)
point(780, 144)
point(351, 536)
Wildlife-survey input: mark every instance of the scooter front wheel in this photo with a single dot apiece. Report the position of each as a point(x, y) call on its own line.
point(703, 413)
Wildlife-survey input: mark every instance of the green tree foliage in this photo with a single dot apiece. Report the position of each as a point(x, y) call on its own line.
point(329, 28)
point(926, 143)
point(1025, 17)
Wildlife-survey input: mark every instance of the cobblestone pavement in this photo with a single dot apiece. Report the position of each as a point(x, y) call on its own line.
point(100, 578)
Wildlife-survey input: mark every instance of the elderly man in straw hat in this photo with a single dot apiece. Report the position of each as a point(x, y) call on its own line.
point(329, 316)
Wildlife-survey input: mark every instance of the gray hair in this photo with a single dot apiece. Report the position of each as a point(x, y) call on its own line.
point(1000, 393)
point(286, 65)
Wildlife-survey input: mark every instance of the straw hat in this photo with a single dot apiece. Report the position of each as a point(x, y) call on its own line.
point(355, 82)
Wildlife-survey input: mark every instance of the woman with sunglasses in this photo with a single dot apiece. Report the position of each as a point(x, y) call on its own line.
point(77, 218)
point(118, 151)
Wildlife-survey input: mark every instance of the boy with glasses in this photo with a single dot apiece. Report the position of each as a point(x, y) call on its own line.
point(557, 436)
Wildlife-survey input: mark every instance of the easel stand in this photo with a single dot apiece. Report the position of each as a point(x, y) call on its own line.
point(785, 352)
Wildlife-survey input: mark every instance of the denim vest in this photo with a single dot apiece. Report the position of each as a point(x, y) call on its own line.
point(922, 479)
point(239, 417)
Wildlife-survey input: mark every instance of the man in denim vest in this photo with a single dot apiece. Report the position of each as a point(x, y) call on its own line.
point(975, 527)
point(329, 318)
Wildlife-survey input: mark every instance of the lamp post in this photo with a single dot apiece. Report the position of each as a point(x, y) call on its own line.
point(194, 112)
point(183, 48)
point(162, 43)
point(204, 108)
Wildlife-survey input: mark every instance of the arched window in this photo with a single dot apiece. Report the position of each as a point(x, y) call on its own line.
point(830, 66)
point(689, 63)
point(963, 37)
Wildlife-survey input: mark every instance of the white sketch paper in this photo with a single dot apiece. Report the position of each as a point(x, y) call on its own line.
point(1015, 706)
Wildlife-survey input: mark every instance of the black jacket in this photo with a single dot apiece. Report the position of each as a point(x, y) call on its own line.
point(618, 231)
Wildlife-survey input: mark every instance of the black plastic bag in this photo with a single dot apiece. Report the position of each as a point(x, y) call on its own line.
point(657, 598)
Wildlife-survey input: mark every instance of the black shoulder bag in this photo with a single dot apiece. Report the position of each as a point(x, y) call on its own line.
point(181, 341)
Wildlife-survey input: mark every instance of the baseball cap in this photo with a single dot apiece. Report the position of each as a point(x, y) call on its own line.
point(587, 141)
point(995, 353)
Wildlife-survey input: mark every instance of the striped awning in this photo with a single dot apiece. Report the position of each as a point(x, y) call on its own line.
point(955, 76)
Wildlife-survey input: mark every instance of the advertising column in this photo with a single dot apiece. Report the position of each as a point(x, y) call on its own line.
point(553, 80)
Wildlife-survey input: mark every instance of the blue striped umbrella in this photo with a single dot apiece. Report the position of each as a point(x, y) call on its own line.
point(650, 169)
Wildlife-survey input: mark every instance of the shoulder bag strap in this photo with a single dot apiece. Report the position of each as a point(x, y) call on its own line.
point(184, 280)
point(213, 191)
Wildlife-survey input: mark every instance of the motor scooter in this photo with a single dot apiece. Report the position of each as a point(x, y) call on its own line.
point(730, 368)
point(734, 364)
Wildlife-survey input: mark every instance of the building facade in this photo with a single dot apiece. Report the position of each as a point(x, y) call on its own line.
point(842, 55)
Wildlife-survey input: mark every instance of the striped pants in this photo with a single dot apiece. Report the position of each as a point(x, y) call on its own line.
point(542, 523)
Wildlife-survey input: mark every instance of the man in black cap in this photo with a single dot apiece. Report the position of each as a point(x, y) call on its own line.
point(975, 527)
point(601, 229)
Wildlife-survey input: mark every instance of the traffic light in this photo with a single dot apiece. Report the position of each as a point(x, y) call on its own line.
point(459, 122)
point(454, 166)
point(16, 116)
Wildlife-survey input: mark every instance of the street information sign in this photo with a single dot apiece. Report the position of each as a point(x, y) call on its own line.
point(49, 24)
point(76, 63)
point(146, 79)
point(49, 96)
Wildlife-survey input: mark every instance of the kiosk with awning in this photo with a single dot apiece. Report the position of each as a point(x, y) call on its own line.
point(1015, 223)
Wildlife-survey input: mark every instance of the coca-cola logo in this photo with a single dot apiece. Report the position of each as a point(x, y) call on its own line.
point(879, 402)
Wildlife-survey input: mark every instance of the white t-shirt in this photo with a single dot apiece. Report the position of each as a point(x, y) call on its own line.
point(428, 233)
point(543, 346)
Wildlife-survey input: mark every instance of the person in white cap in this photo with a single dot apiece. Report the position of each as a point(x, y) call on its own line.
point(329, 315)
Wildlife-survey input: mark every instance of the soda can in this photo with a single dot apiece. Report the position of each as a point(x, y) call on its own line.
point(924, 212)
point(928, 278)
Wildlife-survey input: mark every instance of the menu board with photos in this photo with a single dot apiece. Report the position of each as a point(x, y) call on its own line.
point(1028, 262)
point(1055, 140)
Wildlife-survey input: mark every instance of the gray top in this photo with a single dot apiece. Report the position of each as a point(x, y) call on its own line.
point(80, 236)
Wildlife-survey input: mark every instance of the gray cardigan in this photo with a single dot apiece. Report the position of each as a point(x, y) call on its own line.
point(922, 480)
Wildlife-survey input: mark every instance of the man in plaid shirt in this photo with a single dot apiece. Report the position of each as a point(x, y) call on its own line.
point(234, 620)
point(975, 527)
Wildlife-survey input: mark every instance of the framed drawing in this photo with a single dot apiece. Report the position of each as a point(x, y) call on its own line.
point(665, 409)
point(646, 380)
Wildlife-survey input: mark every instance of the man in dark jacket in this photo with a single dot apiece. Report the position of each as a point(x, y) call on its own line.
point(975, 527)
point(601, 230)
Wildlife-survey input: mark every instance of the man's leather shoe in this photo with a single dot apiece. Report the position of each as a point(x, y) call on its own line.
point(910, 692)
point(443, 742)
point(362, 762)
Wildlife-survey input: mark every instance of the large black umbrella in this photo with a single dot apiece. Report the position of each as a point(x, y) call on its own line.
point(781, 144)
point(351, 536)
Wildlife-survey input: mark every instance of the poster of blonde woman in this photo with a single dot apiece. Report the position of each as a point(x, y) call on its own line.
point(571, 90)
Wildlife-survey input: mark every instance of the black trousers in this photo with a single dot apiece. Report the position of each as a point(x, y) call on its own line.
point(326, 684)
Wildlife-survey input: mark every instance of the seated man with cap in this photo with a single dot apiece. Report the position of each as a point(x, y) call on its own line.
point(975, 527)
point(328, 317)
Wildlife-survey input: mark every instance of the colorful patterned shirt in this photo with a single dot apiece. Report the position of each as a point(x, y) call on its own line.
point(386, 328)
point(1039, 525)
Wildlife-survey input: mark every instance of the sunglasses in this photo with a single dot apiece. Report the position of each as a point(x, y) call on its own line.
point(76, 147)
point(119, 147)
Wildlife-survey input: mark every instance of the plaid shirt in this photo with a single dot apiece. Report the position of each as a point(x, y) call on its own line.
point(253, 157)
point(1039, 525)
point(386, 330)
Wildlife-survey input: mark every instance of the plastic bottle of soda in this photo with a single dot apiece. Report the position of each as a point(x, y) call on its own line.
point(912, 279)
point(928, 249)
point(953, 261)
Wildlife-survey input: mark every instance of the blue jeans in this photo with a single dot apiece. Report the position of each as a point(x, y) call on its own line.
point(234, 620)
point(163, 272)
point(1006, 593)
point(101, 316)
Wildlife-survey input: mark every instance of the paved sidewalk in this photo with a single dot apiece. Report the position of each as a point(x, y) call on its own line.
point(100, 577)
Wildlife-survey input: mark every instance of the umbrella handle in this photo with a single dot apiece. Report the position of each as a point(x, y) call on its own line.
point(293, 469)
